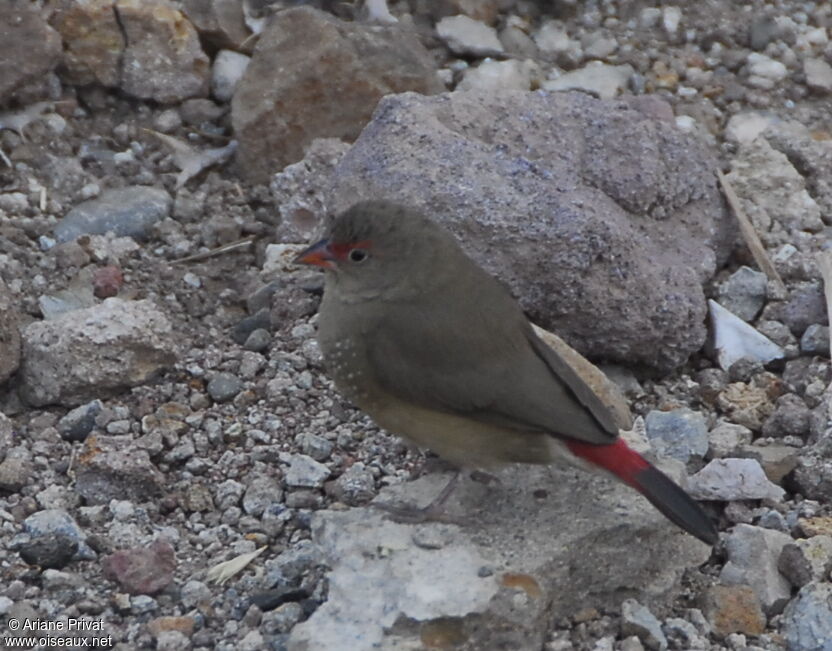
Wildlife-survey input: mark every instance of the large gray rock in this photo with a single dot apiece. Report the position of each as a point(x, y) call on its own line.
point(314, 76)
point(9, 333)
point(541, 546)
point(603, 221)
point(89, 353)
point(29, 48)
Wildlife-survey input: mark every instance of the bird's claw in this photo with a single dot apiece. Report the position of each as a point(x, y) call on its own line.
point(485, 478)
point(417, 515)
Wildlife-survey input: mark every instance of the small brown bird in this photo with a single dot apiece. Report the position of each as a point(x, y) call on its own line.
point(436, 350)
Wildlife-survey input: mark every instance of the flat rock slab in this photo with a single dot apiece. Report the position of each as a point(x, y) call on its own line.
point(541, 545)
point(603, 220)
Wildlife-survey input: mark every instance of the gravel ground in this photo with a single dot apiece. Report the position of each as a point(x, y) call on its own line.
point(219, 434)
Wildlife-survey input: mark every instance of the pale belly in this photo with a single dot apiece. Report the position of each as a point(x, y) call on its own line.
point(465, 442)
point(462, 441)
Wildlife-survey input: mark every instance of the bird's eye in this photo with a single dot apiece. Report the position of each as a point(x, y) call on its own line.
point(358, 255)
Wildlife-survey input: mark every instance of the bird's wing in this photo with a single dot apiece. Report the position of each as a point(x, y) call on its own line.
point(459, 358)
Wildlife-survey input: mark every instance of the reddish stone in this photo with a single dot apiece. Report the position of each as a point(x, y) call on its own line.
point(142, 570)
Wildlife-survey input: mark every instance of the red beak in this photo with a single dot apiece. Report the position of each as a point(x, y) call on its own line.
point(318, 254)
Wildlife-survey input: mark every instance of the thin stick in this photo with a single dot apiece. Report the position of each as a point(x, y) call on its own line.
point(825, 263)
point(225, 248)
point(752, 240)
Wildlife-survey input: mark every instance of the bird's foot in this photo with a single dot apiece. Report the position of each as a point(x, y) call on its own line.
point(433, 512)
point(485, 478)
point(405, 514)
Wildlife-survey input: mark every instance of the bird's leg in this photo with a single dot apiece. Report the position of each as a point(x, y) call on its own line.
point(433, 512)
point(485, 478)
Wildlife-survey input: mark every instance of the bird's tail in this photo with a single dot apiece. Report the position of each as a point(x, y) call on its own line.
point(661, 491)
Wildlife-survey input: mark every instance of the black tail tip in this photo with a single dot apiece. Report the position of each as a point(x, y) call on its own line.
point(675, 504)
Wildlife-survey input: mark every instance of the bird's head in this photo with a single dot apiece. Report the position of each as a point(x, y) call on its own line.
point(375, 245)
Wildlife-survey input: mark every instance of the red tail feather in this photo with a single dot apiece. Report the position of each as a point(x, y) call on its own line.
point(616, 458)
point(631, 468)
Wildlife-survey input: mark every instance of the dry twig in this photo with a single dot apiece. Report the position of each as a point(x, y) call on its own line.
point(752, 240)
point(225, 248)
point(222, 572)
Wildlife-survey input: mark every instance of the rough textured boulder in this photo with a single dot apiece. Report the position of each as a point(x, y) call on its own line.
point(602, 220)
point(23, 29)
point(93, 42)
point(314, 76)
point(89, 353)
point(540, 547)
point(149, 49)
point(163, 59)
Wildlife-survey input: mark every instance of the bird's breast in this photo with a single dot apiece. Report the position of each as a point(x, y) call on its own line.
point(347, 364)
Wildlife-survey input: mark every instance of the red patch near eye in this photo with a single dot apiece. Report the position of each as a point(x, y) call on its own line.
point(341, 250)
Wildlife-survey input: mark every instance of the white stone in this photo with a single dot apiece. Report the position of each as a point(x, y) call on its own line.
point(763, 83)
point(229, 67)
point(671, 17)
point(305, 472)
point(388, 576)
point(734, 339)
point(604, 81)
point(726, 438)
point(552, 38)
point(809, 40)
point(279, 258)
point(377, 11)
point(601, 48)
point(772, 190)
point(733, 479)
point(464, 35)
point(500, 75)
point(818, 75)
point(762, 66)
point(649, 17)
point(685, 123)
point(745, 127)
